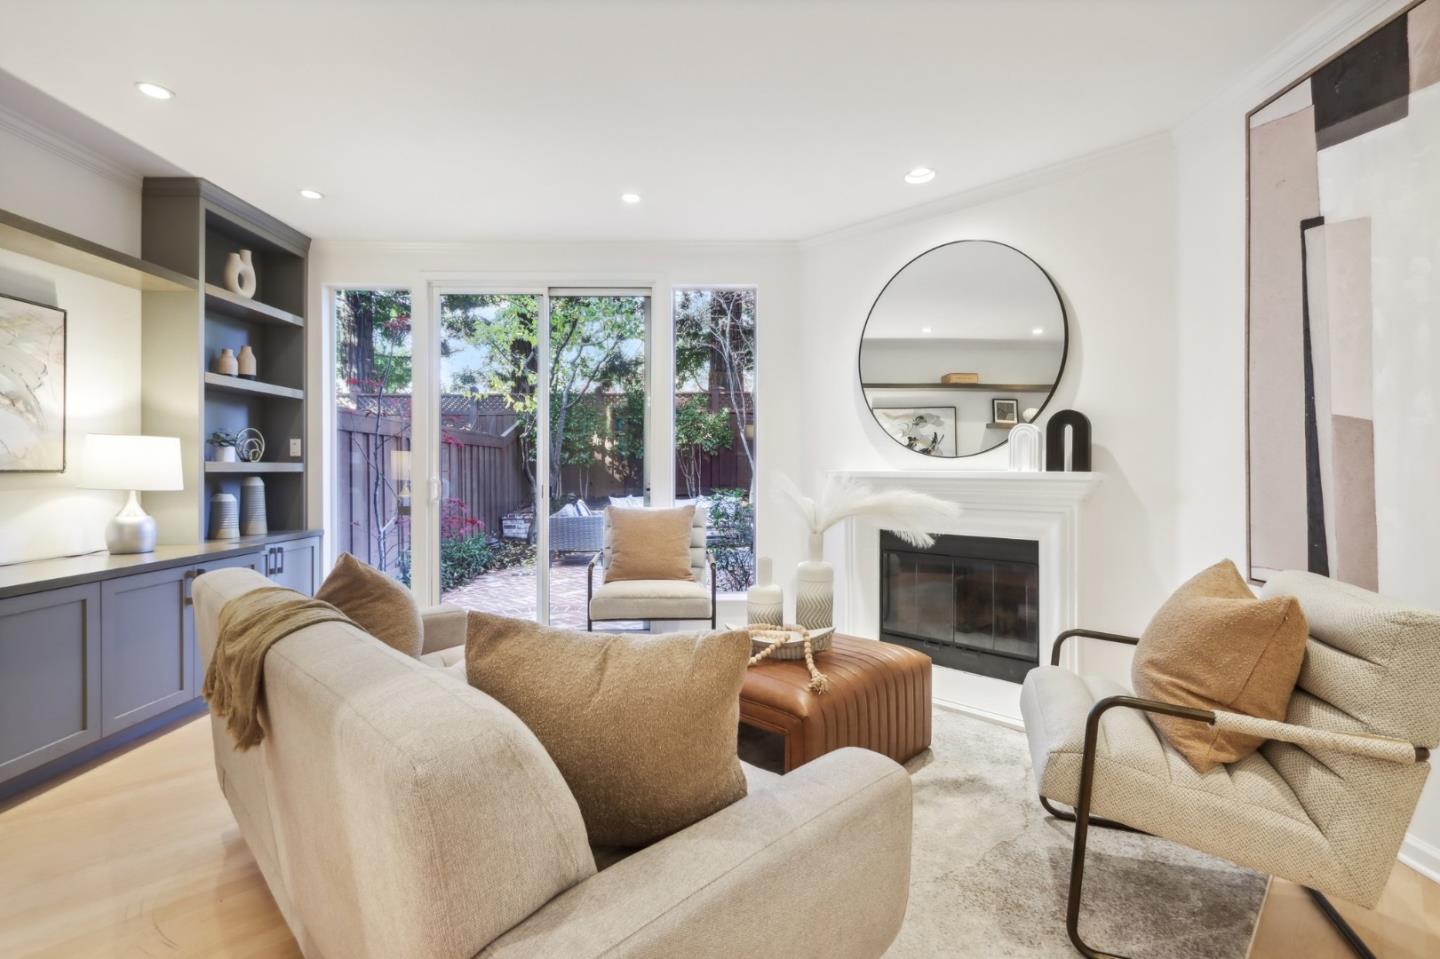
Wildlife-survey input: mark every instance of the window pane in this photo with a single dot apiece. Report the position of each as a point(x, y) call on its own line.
point(488, 368)
point(715, 423)
point(372, 424)
point(597, 435)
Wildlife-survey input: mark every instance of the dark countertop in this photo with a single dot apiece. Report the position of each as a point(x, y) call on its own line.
point(43, 574)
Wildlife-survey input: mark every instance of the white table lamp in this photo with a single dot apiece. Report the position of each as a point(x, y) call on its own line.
point(134, 463)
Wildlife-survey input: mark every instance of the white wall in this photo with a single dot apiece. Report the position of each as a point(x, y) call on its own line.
point(660, 266)
point(1104, 229)
point(60, 185)
point(1210, 179)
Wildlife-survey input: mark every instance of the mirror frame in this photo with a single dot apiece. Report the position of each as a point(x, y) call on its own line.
point(1059, 373)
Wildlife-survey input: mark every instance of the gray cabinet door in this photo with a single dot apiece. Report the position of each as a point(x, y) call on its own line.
point(147, 645)
point(296, 565)
point(49, 676)
point(255, 561)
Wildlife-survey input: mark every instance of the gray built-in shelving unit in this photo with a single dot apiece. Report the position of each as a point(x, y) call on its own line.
point(190, 227)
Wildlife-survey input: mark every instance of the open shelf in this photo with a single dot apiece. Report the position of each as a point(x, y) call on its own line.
point(982, 387)
point(220, 300)
point(37, 240)
point(234, 384)
point(249, 469)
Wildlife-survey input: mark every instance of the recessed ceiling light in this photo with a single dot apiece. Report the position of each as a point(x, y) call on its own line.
point(1038, 331)
point(921, 174)
point(312, 194)
point(154, 90)
point(925, 329)
point(630, 198)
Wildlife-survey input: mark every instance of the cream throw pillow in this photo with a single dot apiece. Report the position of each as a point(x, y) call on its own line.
point(381, 606)
point(1213, 645)
point(643, 728)
point(650, 543)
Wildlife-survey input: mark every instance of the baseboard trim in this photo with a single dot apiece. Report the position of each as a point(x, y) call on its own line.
point(982, 714)
point(1422, 857)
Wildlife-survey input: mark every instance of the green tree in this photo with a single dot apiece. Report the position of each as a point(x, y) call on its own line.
point(699, 432)
point(715, 353)
point(596, 347)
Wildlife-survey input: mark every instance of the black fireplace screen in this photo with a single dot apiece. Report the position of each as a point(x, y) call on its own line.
point(970, 602)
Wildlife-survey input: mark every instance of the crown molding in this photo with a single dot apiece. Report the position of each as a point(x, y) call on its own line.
point(68, 150)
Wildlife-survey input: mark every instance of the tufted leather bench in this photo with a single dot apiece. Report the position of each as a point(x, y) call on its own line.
point(879, 699)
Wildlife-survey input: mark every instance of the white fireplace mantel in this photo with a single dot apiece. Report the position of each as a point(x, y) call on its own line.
point(1041, 507)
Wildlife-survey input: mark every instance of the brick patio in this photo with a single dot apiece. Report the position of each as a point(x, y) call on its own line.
point(511, 592)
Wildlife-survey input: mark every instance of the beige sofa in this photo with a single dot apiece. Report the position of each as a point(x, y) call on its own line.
point(397, 812)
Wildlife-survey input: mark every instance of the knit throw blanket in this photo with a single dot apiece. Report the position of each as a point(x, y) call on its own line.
point(249, 626)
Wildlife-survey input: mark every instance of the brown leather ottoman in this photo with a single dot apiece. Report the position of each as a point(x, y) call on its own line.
point(879, 698)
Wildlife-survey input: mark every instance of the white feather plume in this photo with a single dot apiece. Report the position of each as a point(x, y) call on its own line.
point(906, 513)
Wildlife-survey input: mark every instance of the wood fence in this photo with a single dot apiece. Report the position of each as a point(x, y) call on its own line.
point(482, 465)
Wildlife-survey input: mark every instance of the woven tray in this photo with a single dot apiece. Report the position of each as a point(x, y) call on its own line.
point(794, 645)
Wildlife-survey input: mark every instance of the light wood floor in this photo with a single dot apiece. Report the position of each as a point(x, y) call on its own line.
point(139, 856)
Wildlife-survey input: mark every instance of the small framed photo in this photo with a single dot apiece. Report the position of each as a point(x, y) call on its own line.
point(1005, 412)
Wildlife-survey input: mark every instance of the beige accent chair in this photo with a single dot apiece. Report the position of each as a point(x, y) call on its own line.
point(653, 599)
point(1325, 803)
point(398, 813)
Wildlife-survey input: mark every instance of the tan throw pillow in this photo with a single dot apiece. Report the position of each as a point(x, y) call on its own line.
point(643, 728)
point(1213, 645)
point(381, 606)
point(650, 543)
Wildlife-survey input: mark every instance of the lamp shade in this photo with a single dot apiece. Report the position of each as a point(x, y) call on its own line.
point(131, 462)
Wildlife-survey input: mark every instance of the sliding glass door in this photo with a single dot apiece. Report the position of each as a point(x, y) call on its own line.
point(541, 423)
point(486, 439)
point(596, 445)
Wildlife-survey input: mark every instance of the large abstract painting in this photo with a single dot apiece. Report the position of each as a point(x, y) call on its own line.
point(32, 386)
point(1344, 315)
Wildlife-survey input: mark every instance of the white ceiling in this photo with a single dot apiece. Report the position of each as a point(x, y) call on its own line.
point(740, 119)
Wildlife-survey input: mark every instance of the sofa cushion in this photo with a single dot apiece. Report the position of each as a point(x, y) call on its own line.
point(642, 727)
point(381, 606)
point(650, 599)
point(650, 544)
point(1213, 645)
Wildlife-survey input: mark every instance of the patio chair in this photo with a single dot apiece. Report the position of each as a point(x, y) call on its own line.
point(1324, 803)
point(577, 533)
point(692, 599)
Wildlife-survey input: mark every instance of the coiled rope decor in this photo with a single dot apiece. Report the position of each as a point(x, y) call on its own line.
point(779, 637)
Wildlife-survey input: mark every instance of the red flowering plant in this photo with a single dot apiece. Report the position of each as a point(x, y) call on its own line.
point(456, 521)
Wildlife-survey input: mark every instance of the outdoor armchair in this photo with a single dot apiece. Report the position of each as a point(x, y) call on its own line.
point(640, 599)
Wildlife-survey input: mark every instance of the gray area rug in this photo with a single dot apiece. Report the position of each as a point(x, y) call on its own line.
point(990, 868)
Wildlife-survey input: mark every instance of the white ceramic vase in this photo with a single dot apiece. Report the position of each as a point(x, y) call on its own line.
point(240, 274)
point(815, 588)
point(225, 454)
point(765, 601)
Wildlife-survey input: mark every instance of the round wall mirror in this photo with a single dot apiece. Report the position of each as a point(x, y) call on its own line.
point(966, 341)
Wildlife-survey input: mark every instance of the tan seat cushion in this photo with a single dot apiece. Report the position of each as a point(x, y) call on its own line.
point(650, 544)
point(1213, 645)
point(643, 728)
point(650, 599)
point(381, 606)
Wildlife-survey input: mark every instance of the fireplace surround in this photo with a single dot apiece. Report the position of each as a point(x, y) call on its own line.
point(1043, 508)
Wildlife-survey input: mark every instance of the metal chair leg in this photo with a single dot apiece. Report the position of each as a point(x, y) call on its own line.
point(1347, 932)
point(1064, 816)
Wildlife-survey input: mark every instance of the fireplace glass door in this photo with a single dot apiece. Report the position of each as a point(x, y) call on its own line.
point(969, 602)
